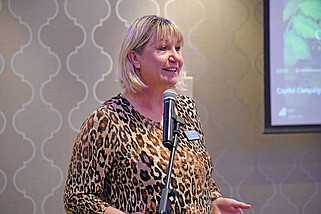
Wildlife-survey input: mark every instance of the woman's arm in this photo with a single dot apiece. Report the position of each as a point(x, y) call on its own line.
point(85, 178)
point(229, 205)
point(111, 210)
point(215, 192)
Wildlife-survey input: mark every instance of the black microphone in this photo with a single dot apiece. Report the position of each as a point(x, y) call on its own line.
point(169, 116)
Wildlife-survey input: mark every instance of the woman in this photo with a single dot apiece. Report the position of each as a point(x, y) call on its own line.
point(119, 162)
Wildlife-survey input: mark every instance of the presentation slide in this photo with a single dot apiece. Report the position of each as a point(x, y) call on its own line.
point(295, 62)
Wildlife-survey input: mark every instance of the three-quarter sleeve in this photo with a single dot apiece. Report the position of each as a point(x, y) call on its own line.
point(215, 191)
point(84, 183)
point(194, 119)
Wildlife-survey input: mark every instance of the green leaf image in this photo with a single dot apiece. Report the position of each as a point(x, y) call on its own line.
point(290, 9)
point(295, 48)
point(312, 8)
point(305, 26)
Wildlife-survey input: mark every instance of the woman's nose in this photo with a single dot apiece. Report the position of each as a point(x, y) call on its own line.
point(174, 55)
point(172, 58)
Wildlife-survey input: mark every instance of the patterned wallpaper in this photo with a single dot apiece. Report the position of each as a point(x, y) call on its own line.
point(57, 63)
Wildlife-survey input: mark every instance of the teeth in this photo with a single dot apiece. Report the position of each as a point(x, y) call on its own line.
point(170, 69)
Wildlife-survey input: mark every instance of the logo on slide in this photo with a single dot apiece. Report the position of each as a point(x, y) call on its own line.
point(282, 112)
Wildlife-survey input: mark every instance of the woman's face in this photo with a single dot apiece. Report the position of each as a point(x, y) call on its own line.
point(160, 63)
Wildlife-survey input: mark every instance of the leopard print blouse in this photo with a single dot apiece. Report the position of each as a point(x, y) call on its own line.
point(119, 160)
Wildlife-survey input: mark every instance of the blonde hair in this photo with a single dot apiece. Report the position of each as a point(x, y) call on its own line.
point(136, 37)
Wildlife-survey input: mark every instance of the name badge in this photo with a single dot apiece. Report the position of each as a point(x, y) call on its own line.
point(192, 135)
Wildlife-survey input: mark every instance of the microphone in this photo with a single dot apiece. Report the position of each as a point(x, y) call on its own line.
point(169, 116)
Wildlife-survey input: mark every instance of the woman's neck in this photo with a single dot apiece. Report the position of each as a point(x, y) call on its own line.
point(148, 103)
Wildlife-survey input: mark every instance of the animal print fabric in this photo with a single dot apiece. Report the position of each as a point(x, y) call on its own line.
point(119, 160)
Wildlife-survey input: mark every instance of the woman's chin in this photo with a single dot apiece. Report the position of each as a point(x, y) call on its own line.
point(172, 80)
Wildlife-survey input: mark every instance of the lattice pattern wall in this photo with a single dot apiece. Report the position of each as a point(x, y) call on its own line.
point(57, 63)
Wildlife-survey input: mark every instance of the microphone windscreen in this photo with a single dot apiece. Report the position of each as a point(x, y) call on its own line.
point(169, 94)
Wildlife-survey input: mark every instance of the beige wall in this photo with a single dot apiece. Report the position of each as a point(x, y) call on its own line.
point(57, 63)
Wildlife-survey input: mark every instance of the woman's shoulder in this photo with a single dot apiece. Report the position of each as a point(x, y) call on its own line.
point(114, 100)
point(185, 100)
point(109, 106)
point(112, 104)
point(116, 108)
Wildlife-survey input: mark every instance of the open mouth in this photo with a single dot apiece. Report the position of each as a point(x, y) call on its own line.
point(171, 69)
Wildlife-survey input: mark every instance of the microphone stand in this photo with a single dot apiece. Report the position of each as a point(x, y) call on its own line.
point(165, 204)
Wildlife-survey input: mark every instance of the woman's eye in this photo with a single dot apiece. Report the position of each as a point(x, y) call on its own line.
point(162, 48)
point(178, 49)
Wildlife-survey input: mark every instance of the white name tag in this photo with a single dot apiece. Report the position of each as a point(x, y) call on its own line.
point(192, 135)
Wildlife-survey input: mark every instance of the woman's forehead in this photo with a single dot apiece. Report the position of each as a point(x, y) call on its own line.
point(166, 38)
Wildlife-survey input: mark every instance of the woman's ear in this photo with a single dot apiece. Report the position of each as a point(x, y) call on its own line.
point(134, 59)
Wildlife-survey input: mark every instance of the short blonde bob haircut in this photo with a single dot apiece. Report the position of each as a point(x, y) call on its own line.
point(139, 33)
